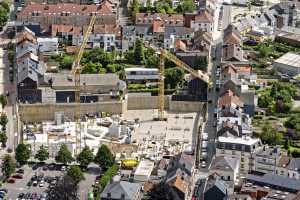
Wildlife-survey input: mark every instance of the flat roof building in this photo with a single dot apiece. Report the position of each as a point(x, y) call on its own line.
point(143, 171)
point(289, 64)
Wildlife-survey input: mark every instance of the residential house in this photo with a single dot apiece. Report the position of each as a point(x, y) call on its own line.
point(172, 34)
point(122, 190)
point(234, 85)
point(166, 19)
point(202, 40)
point(229, 99)
point(229, 129)
point(215, 189)
point(203, 21)
point(131, 33)
point(229, 72)
point(104, 36)
point(227, 168)
point(67, 14)
point(243, 148)
point(48, 45)
point(250, 100)
point(26, 43)
point(288, 167)
point(232, 35)
point(267, 159)
point(232, 52)
point(142, 75)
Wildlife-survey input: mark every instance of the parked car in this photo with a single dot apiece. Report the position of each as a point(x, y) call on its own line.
point(18, 176)
point(203, 164)
point(20, 171)
point(34, 183)
point(63, 168)
point(3, 190)
point(11, 180)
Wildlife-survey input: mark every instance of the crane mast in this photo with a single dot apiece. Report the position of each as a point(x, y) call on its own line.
point(77, 68)
point(164, 54)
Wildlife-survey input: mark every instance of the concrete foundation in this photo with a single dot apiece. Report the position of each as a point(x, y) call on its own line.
point(45, 111)
point(41, 112)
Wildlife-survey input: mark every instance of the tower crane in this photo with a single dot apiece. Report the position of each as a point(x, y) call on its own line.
point(76, 69)
point(164, 54)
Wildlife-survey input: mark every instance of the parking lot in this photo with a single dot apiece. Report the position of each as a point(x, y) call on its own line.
point(35, 181)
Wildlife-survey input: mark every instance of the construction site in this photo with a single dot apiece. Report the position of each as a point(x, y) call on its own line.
point(135, 125)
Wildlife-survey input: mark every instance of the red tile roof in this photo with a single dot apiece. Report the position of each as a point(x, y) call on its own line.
point(72, 30)
point(158, 26)
point(204, 17)
point(26, 36)
point(229, 98)
point(229, 69)
point(167, 19)
point(69, 8)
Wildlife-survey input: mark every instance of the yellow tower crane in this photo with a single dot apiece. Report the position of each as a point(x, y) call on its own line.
point(76, 69)
point(164, 54)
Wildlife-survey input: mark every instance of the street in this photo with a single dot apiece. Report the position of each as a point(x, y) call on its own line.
point(7, 86)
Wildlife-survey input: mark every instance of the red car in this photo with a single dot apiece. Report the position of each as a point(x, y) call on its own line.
point(11, 180)
point(18, 176)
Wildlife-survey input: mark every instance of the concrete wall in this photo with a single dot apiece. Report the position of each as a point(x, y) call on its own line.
point(185, 106)
point(145, 102)
point(41, 112)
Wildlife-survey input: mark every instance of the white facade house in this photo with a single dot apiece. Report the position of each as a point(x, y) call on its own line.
point(26, 47)
point(204, 21)
point(227, 168)
point(48, 45)
point(139, 74)
point(243, 148)
point(289, 169)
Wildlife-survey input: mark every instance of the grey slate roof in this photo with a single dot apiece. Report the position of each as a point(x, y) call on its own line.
point(179, 31)
point(224, 163)
point(216, 189)
point(294, 164)
point(275, 181)
point(116, 189)
point(88, 79)
point(137, 29)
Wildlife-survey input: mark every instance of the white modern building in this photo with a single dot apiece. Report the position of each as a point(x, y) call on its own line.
point(243, 148)
point(143, 171)
point(139, 74)
point(48, 45)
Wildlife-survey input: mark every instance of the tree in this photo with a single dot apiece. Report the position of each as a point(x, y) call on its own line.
point(85, 157)
point(134, 8)
point(5, 6)
point(3, 121)
point(287, 144)
point(269, 135)
point(187, 6)
point(201, 63)
point(139, 56)
point(22, 153)
point(3, 138)
point(65, 189)
point(64, 155)
point(173, 77)
point(3, 100)
point(104, 157)
point(66, 62)
point(8, 166)
point(42, 154)
point(75, 173)
point(3, 16)
point(93, 68)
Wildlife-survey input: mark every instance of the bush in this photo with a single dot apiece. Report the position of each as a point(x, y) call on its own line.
point(295, 153)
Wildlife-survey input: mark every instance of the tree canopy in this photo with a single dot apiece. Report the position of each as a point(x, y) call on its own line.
point(173, 77)
point(3, 121)
point(65, 189)
point(187, 6)
point(8, 165)
point(22, 153)
point(270, 135)
point(104, 157)
point(3, 100)
point(139, 56)
point(278, 98)
point(75, 173)
point(3, 138)
point(42, 154)
point(64, 155)
point(85, 157)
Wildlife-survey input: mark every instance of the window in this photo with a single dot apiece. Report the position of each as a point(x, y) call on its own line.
point(228, 178)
